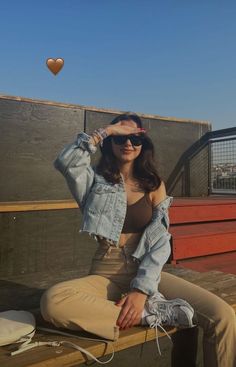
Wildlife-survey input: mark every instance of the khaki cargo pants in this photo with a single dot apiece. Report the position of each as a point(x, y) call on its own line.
point(89, 303)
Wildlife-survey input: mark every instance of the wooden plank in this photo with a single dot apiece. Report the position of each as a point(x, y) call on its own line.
point(66, 356)
point(202, 246)
point(195, 240)
point(194, 211)
point(25, 206)
point(203, 229)
point(207, 200)
point(181, 211)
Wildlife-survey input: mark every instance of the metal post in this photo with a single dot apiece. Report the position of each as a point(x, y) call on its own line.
point(209, 168)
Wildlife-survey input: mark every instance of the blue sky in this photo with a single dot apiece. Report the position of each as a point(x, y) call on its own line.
point(170, 58)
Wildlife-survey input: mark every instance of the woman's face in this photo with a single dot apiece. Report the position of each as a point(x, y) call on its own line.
point(126, 152)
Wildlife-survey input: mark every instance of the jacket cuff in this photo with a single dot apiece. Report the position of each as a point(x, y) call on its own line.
point(82, 142)
point(146, 285)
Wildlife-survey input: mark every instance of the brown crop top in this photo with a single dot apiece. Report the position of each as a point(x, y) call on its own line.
point(138, 215)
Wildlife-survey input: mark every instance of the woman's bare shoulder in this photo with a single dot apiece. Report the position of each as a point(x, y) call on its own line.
point(158, 195)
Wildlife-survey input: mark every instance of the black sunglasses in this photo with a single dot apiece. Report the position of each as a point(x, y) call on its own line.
point(121, 139)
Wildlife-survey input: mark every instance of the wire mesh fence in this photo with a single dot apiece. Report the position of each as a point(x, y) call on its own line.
point(222, 172)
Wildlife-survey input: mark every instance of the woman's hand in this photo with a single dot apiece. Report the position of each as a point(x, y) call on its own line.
point(119, 129)
point(132, 306)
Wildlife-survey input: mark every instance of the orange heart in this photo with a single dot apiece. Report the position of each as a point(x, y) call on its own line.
point(55, 65)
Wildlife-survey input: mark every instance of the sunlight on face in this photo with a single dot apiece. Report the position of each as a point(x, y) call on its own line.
point(126, 152)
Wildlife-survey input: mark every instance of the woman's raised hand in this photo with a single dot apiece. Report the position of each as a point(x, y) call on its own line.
point(119, 129)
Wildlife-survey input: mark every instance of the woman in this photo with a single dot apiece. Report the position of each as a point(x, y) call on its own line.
point(125, 209)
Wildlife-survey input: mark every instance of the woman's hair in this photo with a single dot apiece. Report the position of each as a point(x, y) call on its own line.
point(144, 165)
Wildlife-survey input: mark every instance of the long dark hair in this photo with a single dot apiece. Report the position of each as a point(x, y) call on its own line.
point(145, 170)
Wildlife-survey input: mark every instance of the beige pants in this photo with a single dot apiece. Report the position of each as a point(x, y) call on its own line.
point(89, 303)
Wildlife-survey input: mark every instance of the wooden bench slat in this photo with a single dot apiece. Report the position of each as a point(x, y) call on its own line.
point(50, 356)
point(197, 210)
point(192, 240)
point(24, 206)
point(203, 229)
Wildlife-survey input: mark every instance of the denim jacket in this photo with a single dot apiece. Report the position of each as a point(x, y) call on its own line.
point(104, 205)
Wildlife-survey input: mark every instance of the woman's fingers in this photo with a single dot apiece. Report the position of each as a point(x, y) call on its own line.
point(127, 319)
point(131, 320)
point(124, 311)
point(122, 316)
point(121, 301)
point(134, 320)
point(126, 130)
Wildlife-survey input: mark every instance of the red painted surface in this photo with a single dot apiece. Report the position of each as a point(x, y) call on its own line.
point(202, 226)
point(186, 210)
point(203, 229)
point(205, 245)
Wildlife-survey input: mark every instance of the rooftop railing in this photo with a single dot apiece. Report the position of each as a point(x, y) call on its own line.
point(213, 160)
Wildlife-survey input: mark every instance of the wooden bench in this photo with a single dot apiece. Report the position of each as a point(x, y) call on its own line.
point(223, 285)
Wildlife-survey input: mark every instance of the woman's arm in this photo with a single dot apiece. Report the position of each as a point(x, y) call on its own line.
point(150, 268)
point(145, 283)
point(96, 136)
point(158, 195)
point(74, 163)
point(155, 258)
point(74, 160)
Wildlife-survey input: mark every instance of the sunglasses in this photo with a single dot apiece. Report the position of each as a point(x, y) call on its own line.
point(121, 139)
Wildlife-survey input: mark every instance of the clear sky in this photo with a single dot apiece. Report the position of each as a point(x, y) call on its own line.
point(170, 57)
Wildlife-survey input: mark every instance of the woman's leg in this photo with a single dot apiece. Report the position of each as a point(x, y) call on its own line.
point(86, 303)
point(215, 316)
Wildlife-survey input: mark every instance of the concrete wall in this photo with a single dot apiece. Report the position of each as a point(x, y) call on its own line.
point(33, 132)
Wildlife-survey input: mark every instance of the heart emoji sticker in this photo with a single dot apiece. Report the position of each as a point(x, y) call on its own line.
point(55, 65)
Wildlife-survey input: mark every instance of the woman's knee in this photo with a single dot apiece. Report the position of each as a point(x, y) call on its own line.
point(226, 315)
point(53, 299)
point(222, 316)
point(64, 295)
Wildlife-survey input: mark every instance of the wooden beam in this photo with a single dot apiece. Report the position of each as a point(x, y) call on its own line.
point(25, 206)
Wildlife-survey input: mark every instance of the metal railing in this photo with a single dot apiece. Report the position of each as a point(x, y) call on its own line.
point(222, 172)
point(210, 162)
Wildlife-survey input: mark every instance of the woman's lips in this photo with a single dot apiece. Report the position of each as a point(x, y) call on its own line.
point(126, 151)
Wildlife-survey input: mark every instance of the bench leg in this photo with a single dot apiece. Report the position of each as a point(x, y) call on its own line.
point(184, 351)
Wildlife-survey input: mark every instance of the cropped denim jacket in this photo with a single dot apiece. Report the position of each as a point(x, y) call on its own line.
point(104, 205)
